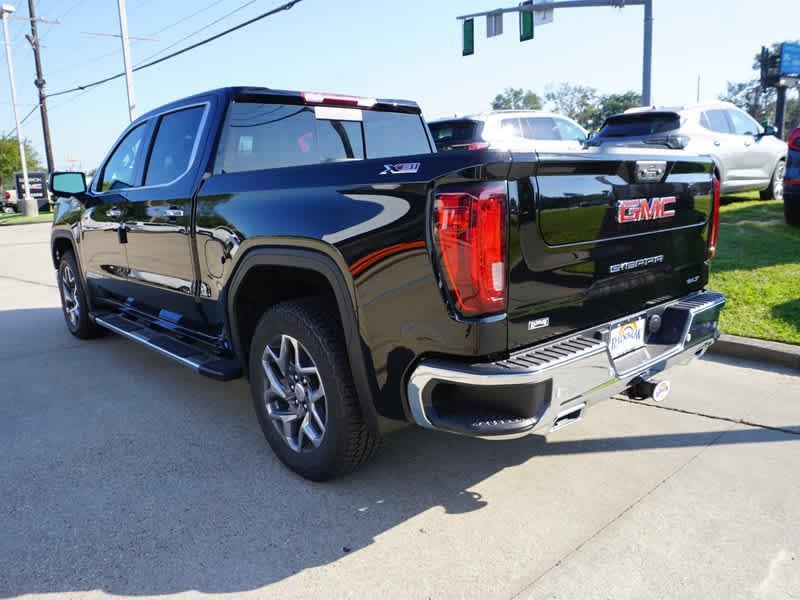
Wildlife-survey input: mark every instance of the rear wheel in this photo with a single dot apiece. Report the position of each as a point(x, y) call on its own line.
point(775, 189)
point(303, 392)
point(73, 299)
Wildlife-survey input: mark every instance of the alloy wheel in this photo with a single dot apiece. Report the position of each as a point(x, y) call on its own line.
point(293, 393)
point(777, 186)
point(69, 289)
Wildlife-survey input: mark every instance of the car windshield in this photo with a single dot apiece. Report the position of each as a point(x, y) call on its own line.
point(638, 125)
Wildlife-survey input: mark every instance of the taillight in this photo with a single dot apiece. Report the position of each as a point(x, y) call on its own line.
point(343, 99)
point(8, 195)
point(794, 139)
point(714, 233)
point(470, 227)
point(478, 146)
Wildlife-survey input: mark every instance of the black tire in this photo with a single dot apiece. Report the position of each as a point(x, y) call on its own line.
point(75, 312)
point(775, 189)
point(346, 441)
point(791, 209)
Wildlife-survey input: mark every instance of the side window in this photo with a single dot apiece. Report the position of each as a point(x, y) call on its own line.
point(267, 136)
point(716, 120)
point(120, 170)
point(540, 128)
point(174, 142)
point(511, 127)
point(569, 131)
point(743, 124)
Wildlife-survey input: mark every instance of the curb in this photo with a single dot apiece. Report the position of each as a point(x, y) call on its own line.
point(775, 353)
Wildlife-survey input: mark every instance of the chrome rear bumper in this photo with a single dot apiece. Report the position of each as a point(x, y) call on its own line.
point(535, 388)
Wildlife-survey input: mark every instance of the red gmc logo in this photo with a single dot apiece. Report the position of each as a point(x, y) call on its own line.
point(642, 209)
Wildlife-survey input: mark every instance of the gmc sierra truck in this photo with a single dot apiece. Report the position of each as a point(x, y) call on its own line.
point(318, 245)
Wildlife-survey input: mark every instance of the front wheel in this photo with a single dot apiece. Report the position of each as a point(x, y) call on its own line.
point(304, 394)
point(775, 189)
point(73, 299)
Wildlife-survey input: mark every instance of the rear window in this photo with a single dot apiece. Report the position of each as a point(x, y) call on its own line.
point(637, 125)
point(454, 133)
point(268, 136)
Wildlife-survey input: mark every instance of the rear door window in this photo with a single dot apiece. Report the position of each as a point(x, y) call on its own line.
point(716, 120)
point(569, 131)
point(268, 136)
point(539, 128)
point(174, 145)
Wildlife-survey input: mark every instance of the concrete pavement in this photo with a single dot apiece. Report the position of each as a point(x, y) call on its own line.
point(125, 474)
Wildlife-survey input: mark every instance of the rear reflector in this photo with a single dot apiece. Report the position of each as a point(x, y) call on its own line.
point(342, 99)
point(714, 233)
point(470, 228)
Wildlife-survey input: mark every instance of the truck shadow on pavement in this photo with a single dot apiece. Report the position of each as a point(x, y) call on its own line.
point(126, 473)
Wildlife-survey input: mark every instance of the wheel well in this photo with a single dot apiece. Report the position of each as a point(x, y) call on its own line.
point(60, 246)
point(265, 286)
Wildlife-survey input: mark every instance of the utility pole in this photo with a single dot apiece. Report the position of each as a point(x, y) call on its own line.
point(29, 206)
point(33, 39)
point(544, 8)
point(126, 57)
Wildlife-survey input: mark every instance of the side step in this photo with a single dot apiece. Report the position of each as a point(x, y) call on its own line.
point(188, 355)
point(481, 422)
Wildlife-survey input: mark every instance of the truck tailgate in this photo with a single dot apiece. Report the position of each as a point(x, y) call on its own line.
point(602, 235)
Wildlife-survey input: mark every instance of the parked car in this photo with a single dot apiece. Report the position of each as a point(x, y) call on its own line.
point(747, 156)
point(791, 184)
point(8, 201)
point(520, 130)
point(317, 244)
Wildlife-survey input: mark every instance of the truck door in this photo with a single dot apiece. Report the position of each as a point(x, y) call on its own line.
point(106, 205)
point(158, 221)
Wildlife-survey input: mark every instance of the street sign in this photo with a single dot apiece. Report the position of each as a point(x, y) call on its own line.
point(790, 60)
point(526, 21)
point(468, 37)
point(494, 24)
point(37, 182)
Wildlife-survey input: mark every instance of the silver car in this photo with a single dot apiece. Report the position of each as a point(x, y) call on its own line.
point(520, 130)
point(748, 156)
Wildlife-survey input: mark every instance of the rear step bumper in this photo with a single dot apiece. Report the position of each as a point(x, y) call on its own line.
point(547, 387)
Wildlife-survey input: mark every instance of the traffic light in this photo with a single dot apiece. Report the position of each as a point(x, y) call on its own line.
point(526, 21)
point(468, 45)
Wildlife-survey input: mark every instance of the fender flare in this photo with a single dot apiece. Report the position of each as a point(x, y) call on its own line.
point(318, 262)
point(66, 234)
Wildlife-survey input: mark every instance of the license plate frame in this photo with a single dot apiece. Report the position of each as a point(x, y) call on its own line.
point(626, 337)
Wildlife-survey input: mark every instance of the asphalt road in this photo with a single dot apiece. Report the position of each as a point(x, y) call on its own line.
point(122, 473)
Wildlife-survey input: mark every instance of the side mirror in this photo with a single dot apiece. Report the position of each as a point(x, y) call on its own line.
point(67, 183)
point(769, 130)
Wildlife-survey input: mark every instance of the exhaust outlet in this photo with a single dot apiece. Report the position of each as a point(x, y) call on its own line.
point(651, 388)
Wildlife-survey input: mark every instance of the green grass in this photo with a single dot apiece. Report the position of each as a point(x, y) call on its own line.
point(18, 219)
point(758, 268)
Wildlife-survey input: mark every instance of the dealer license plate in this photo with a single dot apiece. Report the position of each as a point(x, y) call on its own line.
point(626, 337)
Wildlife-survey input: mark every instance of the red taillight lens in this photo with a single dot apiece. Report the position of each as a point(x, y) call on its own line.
point(713, 235)
point(470, 226)
point(8, 195)
point(344, 99)
point(794, 139)
point(478, 146)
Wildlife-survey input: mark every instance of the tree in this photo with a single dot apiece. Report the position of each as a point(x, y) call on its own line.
point(578, 102)
point(513, 98)
point(10, 162)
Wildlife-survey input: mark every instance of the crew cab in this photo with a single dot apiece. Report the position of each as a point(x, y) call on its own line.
point(318, 245)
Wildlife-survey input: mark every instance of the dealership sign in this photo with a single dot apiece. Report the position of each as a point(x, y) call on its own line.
point(37, 182)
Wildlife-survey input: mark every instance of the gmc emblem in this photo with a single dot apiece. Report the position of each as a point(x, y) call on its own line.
point(642, 209)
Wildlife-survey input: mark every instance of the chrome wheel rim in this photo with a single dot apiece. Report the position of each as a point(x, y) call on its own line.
point(69, 290)
point(777, 186)
point(293, 394)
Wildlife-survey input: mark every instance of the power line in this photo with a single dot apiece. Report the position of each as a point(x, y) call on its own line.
point(286, 6)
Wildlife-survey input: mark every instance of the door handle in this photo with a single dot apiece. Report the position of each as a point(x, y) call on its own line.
point(173, 213)
point(716, 142)
point(748, 143)
point(114, 212)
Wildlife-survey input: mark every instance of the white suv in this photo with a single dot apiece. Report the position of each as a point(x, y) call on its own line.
point(748, 156)
point(521, 130)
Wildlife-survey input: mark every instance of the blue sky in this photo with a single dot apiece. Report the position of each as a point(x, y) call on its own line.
point(380, 48)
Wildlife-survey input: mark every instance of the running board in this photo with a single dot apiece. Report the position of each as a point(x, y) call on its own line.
point(203, 362)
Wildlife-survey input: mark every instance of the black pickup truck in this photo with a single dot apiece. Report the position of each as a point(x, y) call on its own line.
point(318, 245)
